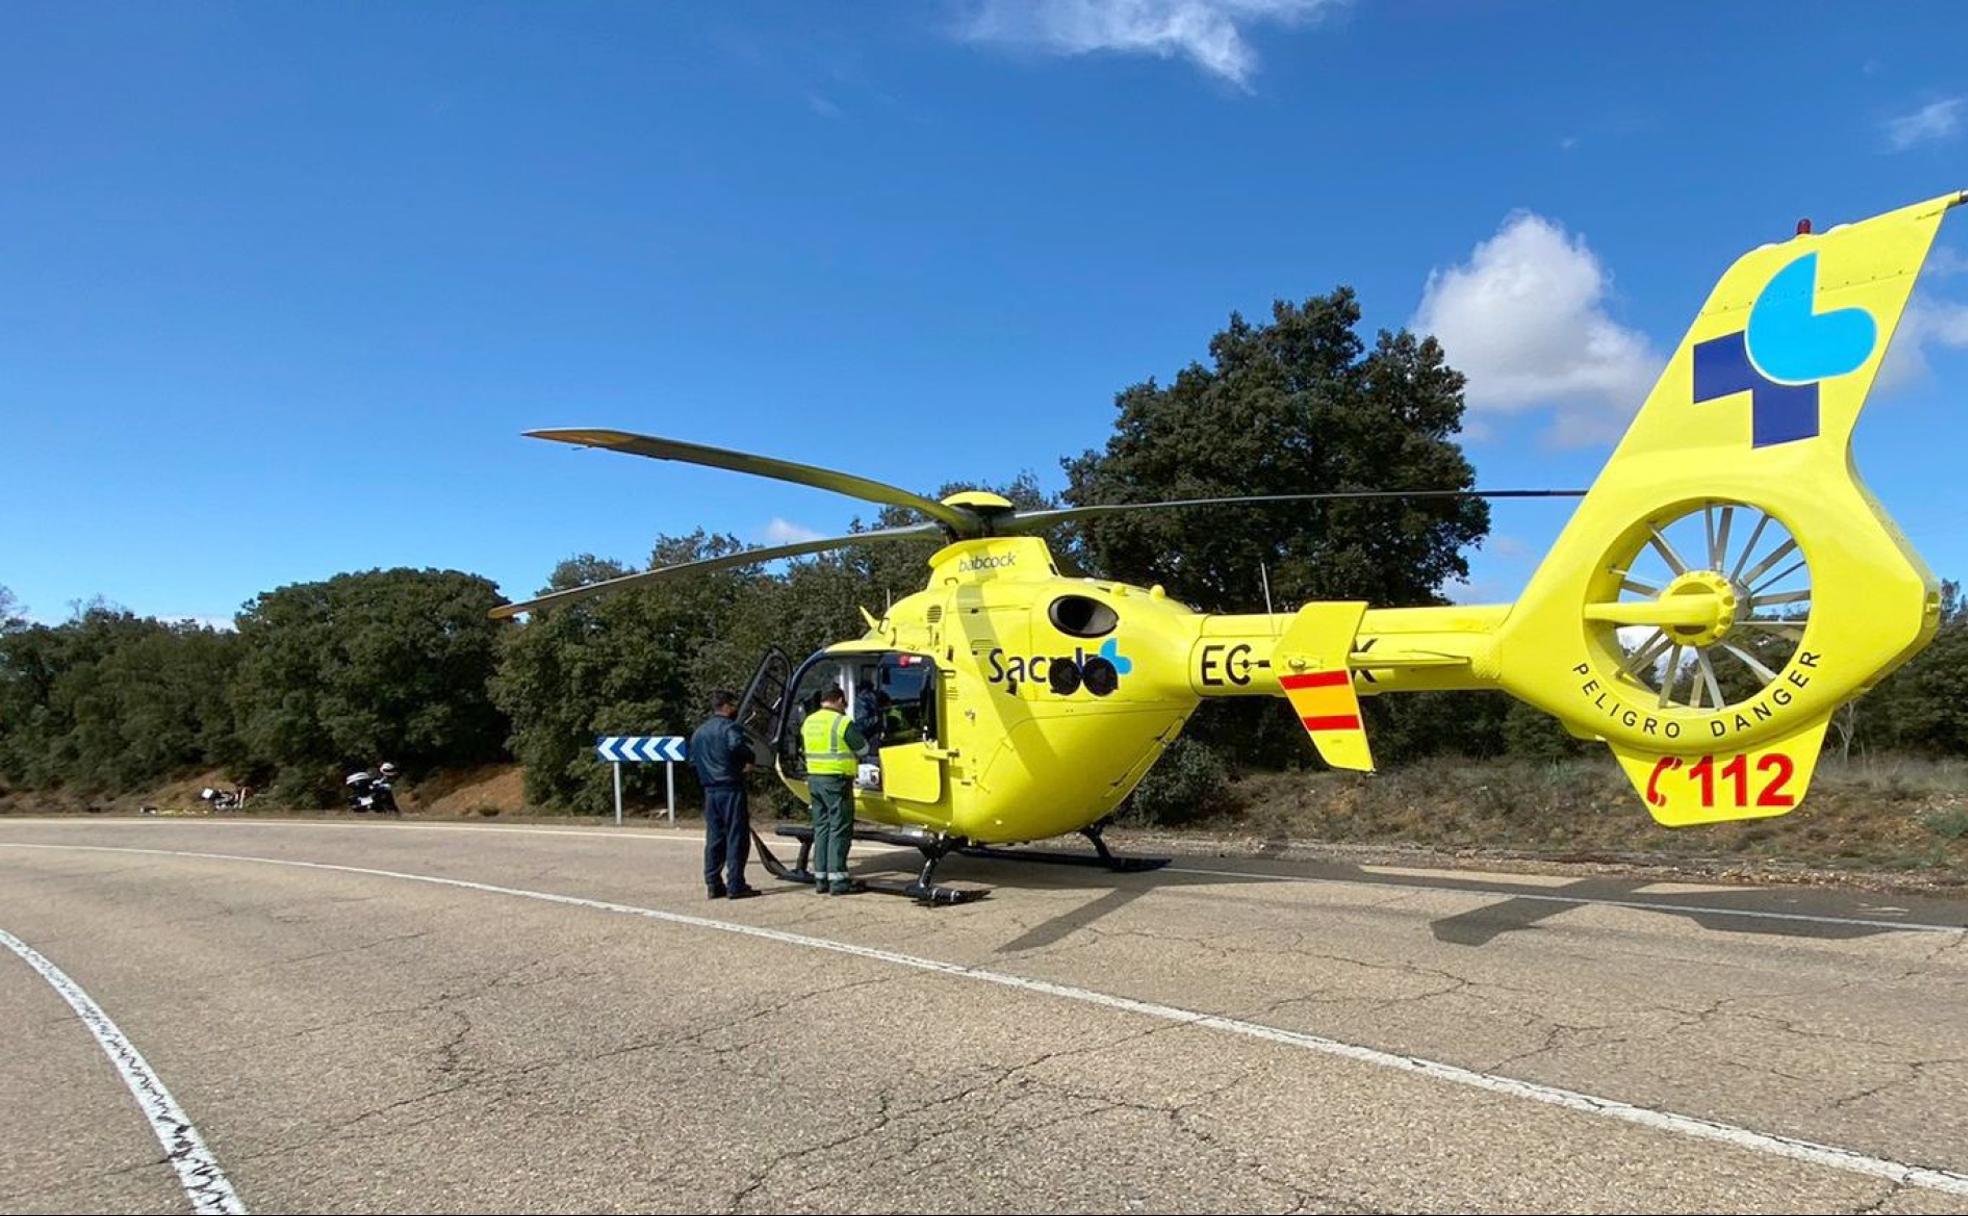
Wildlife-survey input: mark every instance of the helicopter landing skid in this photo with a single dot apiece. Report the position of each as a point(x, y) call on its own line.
point(924, 889)
point(1103, 858)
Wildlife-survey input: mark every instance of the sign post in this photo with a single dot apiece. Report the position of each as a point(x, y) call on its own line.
point(616, 749)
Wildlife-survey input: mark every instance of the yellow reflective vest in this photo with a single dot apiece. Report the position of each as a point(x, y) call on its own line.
point(824, 735)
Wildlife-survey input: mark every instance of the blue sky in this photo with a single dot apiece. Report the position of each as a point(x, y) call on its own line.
point(281, 284)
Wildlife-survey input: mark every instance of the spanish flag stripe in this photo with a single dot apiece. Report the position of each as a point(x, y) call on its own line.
point(1334, 722)
point(1314, 679)
point(1319, 702)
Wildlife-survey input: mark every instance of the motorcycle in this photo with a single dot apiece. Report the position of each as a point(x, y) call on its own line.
point(372, 791)
point(224, 800)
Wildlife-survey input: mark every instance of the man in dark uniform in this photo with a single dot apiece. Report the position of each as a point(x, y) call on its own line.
point(721, 756)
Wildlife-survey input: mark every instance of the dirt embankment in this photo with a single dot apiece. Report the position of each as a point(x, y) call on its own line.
point(487, 790)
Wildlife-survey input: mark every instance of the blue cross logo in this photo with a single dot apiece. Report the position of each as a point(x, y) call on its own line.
point(1111, 651)
point(1783, 353)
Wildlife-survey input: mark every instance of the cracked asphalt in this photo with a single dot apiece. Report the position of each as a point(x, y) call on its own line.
point(366, 1042)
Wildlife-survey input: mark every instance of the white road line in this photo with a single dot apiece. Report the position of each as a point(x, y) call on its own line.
point(1806, 1151)
point(1585, 900)
point(657, 836)
point(663, 837)
point(205, 1184)
point(870, 848)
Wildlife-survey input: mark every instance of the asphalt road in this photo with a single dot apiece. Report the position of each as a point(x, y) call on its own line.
point(402, 1017)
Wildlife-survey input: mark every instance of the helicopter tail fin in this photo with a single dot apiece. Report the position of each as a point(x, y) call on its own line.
point(1312, 658)
point(1728, 581)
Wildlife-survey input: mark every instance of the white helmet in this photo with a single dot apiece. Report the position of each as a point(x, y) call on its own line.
point(388, 769)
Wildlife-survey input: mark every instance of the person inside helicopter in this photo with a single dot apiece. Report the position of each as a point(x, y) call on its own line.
point(867, 710)
point(890, 700)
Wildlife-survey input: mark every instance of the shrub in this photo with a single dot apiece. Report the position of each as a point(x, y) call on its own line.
point(1189, 782)
point(1951, 823)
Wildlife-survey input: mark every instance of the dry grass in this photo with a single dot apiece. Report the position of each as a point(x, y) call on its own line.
point(1896, 814)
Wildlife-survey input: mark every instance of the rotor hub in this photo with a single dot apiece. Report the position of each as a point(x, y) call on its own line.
point(1722, 600)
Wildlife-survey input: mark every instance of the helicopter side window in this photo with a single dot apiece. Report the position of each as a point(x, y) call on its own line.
point(904, 700)
point(1082, 616)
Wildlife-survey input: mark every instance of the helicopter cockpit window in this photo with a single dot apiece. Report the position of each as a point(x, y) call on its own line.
point(1082, 616)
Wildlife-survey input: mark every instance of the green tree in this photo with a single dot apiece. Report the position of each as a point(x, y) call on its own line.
point(1532, 734)
point(636, 662)
point(1923, 707)
point(1296, 406)
point(110, 700)
point(363, 667)
point(1299, 405)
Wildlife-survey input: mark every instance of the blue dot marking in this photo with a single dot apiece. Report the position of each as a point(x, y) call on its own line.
point(1791, 344)
point(1111, 651)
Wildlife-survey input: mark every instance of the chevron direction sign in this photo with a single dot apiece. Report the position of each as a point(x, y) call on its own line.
point(629, 749)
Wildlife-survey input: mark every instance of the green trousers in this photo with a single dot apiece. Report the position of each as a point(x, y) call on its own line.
point(833, 824)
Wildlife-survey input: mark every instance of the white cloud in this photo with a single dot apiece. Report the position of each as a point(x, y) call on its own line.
point(785, 532)
point(1634, 637)
point(1505, 545)
point(222, 623)
point(1210, 33)
point(1945, 260)
point(1525, 320)
point(1927, 323)
point(821, 105)
point(1937, 120)
point(1475, 591)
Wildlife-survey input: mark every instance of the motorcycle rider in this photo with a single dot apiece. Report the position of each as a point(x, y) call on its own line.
point(369, 792)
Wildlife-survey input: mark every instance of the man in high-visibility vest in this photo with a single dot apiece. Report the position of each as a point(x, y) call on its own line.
point(833, 747)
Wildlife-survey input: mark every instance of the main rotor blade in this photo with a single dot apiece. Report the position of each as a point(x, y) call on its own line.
point(1032, 521)
point(962, 522)
point(747, 557)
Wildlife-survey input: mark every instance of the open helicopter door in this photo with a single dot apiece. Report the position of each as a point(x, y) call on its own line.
point(759, 709)
point(904, 714)
point(892, 699)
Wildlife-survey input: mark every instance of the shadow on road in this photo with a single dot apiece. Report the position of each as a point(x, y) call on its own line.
point(1718, 911)
point(1780, 912)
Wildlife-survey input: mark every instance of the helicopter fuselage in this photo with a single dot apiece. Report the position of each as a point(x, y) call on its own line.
point(1012, 703)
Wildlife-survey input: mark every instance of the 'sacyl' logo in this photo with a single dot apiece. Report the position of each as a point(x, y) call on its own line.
point(1099, 673)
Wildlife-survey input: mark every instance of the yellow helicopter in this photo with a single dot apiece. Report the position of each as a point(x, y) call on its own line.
point(1727, 533)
